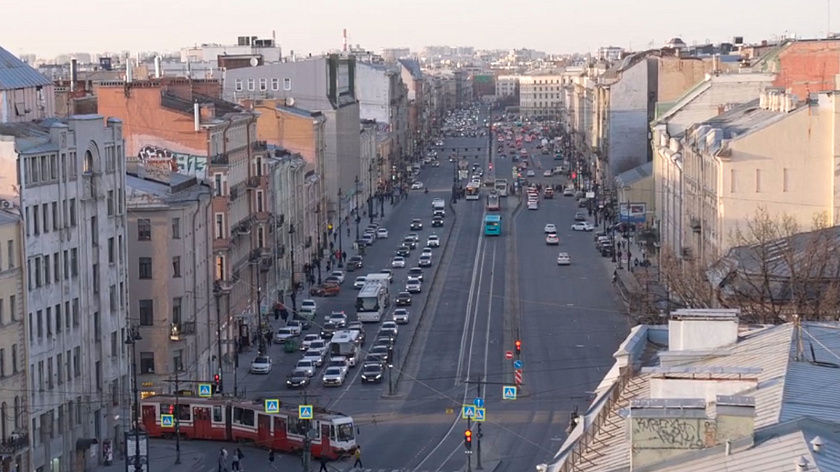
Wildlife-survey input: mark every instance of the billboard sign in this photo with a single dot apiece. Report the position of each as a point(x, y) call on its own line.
point(632, 212)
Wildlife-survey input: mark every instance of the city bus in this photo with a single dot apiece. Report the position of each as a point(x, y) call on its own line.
point(373, 299)
point(501, 187)
point(472, 191)
point(492, 225)
point(493, 202)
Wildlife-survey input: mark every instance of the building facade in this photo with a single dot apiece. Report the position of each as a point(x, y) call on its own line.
point(25, 94)
point(540, 95)
point(70, 188)
point(383, 97)
point(14, 368)
point(169, 235)
point(506, 85)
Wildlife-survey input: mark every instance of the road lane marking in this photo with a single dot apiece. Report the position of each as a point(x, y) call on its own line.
point(469, 306)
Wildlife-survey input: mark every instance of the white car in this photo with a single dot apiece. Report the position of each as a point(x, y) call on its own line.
point(530, 173)
point(563, 259)
point(307, 366)
point(401, 316)
point(551, 239)
point(547, 173)
point(320, 346)
point(315, 356)
point(261, 365)
point(340, 362)
point(427, 251)
point(425, 260)
point(582, 226)
point(283, 334)
point(382, 233)
point(568, 192)
point(438, 202)
point(417, 186)
point(308, 340)
point(339, 318)
point(533, 205)
point(309, 307)
point(550, 228)
point(413, 285)
point(433, 241)
point(334, 377)
point(338, 274)
point(295, 326)
point(390, 326)
point(398, 262)
point(359, 282)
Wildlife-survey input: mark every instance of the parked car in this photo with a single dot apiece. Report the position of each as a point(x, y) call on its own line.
point(325, 290)
point(261, 365)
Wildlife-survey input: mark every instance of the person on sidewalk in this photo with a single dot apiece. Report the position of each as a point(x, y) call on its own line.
point(223, 467)
point(324, 461)
point(358, 456)
point(271, 459)
point(237, 457)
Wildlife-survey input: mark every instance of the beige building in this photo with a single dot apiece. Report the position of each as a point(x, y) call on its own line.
point(14, 421)
point(772, 153)
point(169, 234)
point(634, 189)
point(540, 95)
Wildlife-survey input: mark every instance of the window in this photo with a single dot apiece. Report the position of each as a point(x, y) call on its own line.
point(50, 373)
point(120, 247)
point(176, 267)
point(56, 267)
point(112, 297)
point(275, 84)
point(36, 219)
point(3, 366)
point(238, 85)
point(263, 84)
point(94, 231)
point(114, 344)
point(178, 360)
point(147, 312)
point(110, 203)
point(145, 268)
point(87, 163)
point(176, 310)
point(55, 220)
point(75, 312)
point(251, 84)
point(287, 83)
point(147, 362)
point(785, 180)
point(72, 212)
point(77, 363)
point(111, 249)
point(220, 225)
point(37, 264)
point(74, 262)
point(49, 321)
point(176, 228)
point(260, 237)
point(260, 203)
point(97, 327)
point(47, 267)
point(45, 212)
point(66, 264)
point(40, 317)
point(2, 312)
point(95, 282)
point(12, 308)
point(217, 185)
point(144, 229)
point(220, 268)
point(10, 254)
point(757, 180)
point(58, 321)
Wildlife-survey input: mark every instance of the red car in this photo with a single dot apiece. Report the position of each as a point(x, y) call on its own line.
point(325, 290)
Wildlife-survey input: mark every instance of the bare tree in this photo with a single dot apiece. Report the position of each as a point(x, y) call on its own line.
point(686, 281)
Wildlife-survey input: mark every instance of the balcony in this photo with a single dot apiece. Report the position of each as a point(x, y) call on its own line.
point(222, 244)
point(254, 182)
point(222, 286)
point(178, 330)
point(255, 256)
point(14, 444)
point(220, 159)
point(263, 216)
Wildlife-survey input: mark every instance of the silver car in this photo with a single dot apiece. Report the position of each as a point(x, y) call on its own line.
point(317, 357)
point(307, 366)
point(401, 316)
point(334, 376)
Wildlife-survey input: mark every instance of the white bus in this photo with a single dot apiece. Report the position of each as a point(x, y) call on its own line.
point(502, 187)
point(374, 298)
point(345, 343)
point(472, 191)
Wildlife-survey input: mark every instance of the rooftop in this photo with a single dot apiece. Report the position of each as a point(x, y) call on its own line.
point(145, 192)
point(16, 74)
point(630, 177)
point(223, 107)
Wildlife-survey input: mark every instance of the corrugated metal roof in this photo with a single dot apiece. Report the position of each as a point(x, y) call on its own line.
point(16, 74)
point(630, 177)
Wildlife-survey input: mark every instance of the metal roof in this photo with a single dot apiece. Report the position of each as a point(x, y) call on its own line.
point(630, 177)
point(16, 74)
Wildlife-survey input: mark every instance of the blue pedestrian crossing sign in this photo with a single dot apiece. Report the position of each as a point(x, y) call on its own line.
point(478, 402)
point(167, 421)
point(467, 411)
point(509, 392)
point(479, 414)
point(205, 390)
point(305, 412)
point(272, 405)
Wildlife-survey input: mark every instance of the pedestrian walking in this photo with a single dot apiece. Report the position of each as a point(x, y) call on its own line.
point(358, 456)
point(271, 459)
point(237, 457)
point(324, 461)
point(223, 467)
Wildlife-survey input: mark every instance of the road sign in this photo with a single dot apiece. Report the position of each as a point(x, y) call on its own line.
point(467, 411)
point(590, 194)
point(167, 421)
point(205, 390)
point(517, 376)
point(478, 402)
point(272, 405)
point(508, 393)
point(479, 414)
point(517, 364)
point(509, 355)
point(305, 412)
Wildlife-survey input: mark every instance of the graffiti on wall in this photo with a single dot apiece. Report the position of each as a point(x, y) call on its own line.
point(156, 157)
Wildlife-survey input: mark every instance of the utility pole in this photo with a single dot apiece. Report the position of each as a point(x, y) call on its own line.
point(480, 389)
point(218, 293)
point(177, 415)
point(307, 443)
point(292, 261)
point(469, 453)
point(340, 235)
point(358, 216)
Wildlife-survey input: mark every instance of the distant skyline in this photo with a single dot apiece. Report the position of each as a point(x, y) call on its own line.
point(553, 26)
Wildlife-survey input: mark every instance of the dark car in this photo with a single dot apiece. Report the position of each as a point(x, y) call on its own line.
point(416, 224)
point(373, 372)
point(410, 242)
point(383, 351)
point(297, 379)
point(403, 299)
point(354, 263)
point(329, 328)
point(415, 272)
point(403, 251)
point(437, 222)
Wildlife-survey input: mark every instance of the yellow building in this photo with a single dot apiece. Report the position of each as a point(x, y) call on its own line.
point(14, 416)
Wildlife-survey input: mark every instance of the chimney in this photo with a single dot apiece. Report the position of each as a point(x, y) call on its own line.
point(801, 464)
point(702, 330)
point(157, 67)
point(129, 71)
point(74, 74)
point(207, 111)
point(735, 417)
point(344, 40)
point(817, 445)
point(197, 116)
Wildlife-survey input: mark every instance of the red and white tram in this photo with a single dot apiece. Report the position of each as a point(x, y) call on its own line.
point(220, 419)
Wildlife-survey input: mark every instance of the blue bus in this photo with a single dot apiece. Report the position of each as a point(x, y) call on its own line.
point(492, 225)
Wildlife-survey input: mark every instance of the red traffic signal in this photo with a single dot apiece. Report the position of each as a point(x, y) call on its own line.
point(217, 378)
point(468, 439)
point(171, 409)
point(491, 166)
point(518, 346)
point(574, 175)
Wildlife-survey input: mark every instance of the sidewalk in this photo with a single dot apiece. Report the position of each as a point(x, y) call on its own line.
point(638, 282)
point(162, 458)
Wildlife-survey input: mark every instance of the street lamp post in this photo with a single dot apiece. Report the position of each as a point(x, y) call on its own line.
point(217, 291)
point(356, 198)
point(340, 235)
point(292, 258)
point(370, 191)
point(131, 339)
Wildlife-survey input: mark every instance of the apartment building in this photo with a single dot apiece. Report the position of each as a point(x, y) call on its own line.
point(180, 125)
point(293, 190)
point(170, 256)
point(506, 85)
point(69, 183)
point(14, 368)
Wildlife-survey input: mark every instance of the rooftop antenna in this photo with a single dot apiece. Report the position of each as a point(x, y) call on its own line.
point(797, 323)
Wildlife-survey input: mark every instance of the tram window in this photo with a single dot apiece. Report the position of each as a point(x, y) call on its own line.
point(243, 416)
point(183, 412)
point(332, 432)
point(345, 432)
point(297, 427)
point(217, 414)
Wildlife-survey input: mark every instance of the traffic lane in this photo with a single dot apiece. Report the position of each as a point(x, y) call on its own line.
point(571, 325)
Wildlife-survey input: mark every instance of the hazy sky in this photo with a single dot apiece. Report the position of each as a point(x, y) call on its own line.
point(53, 27)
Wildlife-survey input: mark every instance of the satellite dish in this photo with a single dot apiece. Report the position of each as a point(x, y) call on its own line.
point(290, 102)
point(254, 62)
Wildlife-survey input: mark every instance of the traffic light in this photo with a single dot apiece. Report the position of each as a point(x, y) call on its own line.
point(491, 166)
point(518, 346)
point(574, 175)
point(171, 409)
point(468, 439)
point(218, 379)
